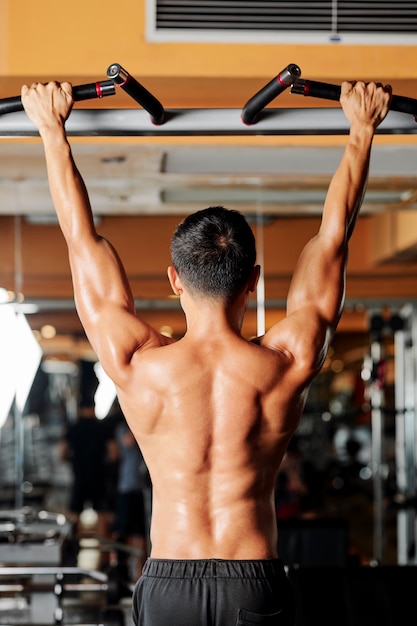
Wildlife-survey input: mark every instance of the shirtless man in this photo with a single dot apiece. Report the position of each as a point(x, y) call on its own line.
point(212, 412)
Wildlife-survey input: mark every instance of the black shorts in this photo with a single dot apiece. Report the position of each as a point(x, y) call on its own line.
point(213, 592)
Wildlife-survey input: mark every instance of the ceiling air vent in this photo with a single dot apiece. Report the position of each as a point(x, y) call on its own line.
point(307, 21)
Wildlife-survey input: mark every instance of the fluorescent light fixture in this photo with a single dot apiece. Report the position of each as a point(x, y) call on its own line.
point(48, 219)
point(26, 308)
point(230, 195)
point(20, 356)
point(7, 370)
point(28, 357)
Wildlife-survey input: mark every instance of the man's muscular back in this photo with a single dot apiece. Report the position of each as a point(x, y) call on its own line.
point(212, 414)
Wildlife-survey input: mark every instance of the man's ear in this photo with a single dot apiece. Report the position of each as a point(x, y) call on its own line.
point(253, 280)
point(174, 280)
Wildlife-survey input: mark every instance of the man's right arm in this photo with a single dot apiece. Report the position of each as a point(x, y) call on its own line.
point(103, 296)
point(316, 294)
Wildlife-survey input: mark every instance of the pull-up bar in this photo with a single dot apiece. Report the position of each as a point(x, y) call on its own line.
point(79, 92)
point(328, 91)
point(270, 91)
point(130, 85)
point(252, 119)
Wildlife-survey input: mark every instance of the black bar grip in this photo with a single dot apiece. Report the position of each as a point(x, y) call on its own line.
point(401, 104)
point(93, 90)
point(79, 92)
point(270, 91)
point(315, 89)
point(142, 96)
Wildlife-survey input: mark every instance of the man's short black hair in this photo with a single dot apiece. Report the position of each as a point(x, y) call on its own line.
point(214, 252)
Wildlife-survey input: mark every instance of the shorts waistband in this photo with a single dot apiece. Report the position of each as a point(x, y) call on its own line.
point(213, 568)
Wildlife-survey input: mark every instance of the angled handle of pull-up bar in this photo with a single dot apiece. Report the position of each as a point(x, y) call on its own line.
point(130, 85)
point(270, 91)
point(327, 91)
point(79, 92)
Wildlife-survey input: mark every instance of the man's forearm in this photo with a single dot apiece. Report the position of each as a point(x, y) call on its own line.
point(348, 185)
point(365, 105)
point(68, 191)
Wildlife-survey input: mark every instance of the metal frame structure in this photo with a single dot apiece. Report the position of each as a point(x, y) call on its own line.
point(401, 330)
point(406, 432)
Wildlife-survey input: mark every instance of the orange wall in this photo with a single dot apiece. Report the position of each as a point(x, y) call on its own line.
point(59, 40)
point(4, 37)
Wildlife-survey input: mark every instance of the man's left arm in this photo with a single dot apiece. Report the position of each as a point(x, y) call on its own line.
point(316, 294)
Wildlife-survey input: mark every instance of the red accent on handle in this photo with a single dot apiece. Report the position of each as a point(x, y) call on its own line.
point(124, 82)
